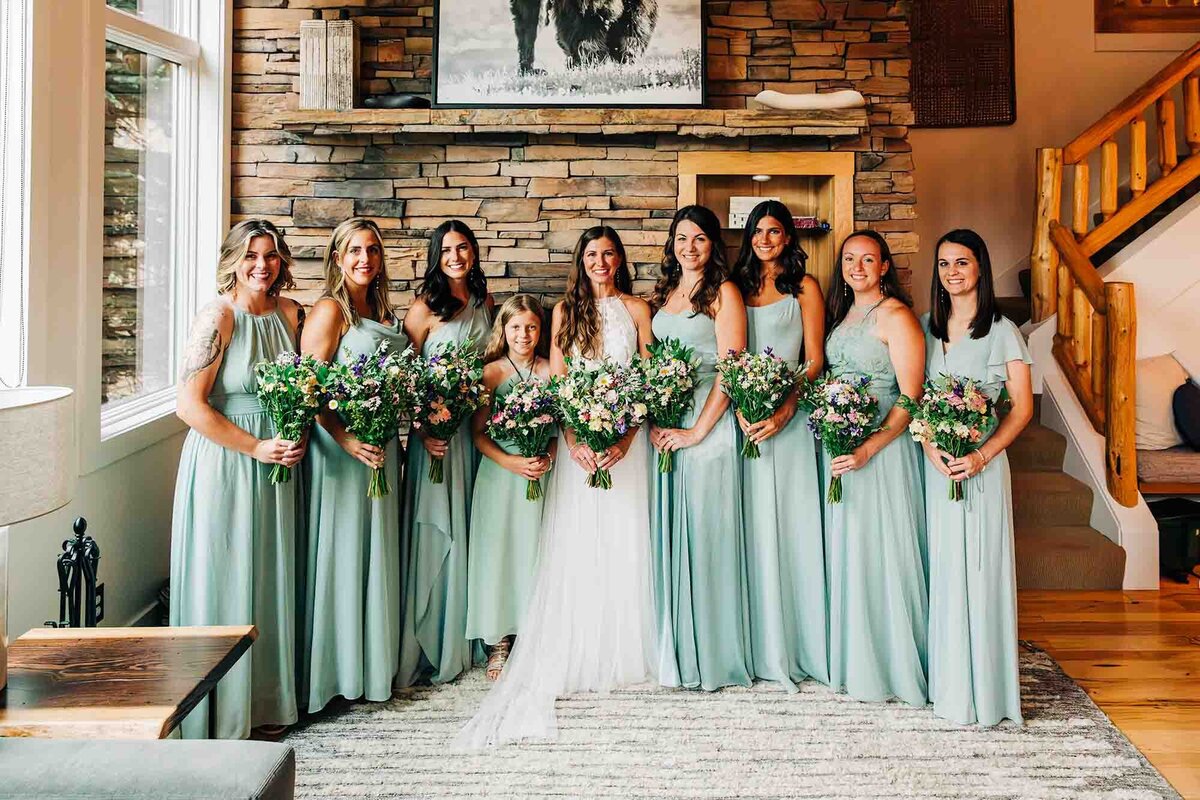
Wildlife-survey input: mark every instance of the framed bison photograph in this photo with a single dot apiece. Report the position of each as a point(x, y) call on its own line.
point(542, 53)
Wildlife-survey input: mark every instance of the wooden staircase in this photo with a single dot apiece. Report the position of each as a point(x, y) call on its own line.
point(1096, 330)
point(1056, 548)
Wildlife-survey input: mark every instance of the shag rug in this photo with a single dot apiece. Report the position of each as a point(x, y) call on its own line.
point(759, 742)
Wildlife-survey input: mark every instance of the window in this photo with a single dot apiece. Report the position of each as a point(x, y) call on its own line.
point(152, 203)
point(13, 170)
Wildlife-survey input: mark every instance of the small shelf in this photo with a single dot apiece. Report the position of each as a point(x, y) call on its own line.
point(702, 122)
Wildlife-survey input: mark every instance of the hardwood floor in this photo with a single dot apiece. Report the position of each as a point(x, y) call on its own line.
point(1137, 654)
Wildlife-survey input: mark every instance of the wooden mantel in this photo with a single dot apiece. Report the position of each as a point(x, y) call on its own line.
point(703, 122)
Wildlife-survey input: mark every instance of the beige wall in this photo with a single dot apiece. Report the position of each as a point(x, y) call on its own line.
point(982, 178)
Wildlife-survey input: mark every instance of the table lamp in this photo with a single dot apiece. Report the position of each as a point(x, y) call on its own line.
point(37, 470)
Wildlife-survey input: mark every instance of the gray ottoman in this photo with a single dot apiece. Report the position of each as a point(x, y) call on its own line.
point(171, 769)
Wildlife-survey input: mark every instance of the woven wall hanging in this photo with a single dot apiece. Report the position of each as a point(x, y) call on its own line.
point(962, 63)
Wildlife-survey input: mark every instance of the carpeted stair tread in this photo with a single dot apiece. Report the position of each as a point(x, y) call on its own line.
point(1067, 557)
point(1049, 498)
point(1037, 449)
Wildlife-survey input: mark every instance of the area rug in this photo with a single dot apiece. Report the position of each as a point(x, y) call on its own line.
point(648, 742)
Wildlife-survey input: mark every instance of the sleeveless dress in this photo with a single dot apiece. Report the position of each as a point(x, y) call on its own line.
point(504, 544)
point(434, 525)
point(782, 506)
point(699, 550)
point(233, 537)
point(589, 624)
point(972, 576)
point(351, 636)
point(878, 605)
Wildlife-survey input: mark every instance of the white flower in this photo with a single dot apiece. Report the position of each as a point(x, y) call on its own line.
point(333, 404)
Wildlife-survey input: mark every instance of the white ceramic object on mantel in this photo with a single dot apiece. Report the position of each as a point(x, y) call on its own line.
point(37, 470)
point(825, 101)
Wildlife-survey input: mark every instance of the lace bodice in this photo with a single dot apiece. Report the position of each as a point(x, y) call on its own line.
point(853, 348)
point(618, 332)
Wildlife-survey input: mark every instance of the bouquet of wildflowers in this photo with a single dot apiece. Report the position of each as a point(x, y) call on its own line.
point(669, 376)
point(526, 416)
point(600, 404)
point(841, 413)
point(954, 414)
point(757, 383)
point(292, 389)
point(449, 389)
point(373, 394)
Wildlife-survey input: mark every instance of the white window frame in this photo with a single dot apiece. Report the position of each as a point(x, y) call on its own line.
point(14, 262)
point(201, 46)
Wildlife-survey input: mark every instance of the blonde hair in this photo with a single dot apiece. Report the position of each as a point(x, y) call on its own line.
point(237, 244)
point(497, 346)
point(335, 280)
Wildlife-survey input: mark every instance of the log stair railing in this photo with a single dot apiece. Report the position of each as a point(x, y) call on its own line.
point(1095, 339)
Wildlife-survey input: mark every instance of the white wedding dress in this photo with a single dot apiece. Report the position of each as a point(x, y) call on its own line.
point(589, 624)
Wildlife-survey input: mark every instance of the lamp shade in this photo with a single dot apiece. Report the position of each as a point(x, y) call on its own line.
point(37, 451)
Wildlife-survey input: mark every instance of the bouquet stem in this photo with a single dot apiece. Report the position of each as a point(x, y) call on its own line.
point(956, 490)
point(600, 479)
point(835, 490)
point(665, 462)
point(533, 490)
point(437, 472)
point(379, 485)
point(281, 474)
point(750, 449)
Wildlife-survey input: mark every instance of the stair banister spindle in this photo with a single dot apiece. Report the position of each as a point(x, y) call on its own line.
point(1168, 157)
point(1081, 335)
point(1108, 179)
point(1099, 357)
point(1081, 199)
point(1191, 113)
point(1137, 157)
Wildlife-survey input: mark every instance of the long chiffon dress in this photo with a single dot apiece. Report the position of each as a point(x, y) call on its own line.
point(973, 674)
point(434, 529)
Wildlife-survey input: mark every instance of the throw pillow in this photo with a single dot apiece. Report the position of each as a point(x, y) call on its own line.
point(1157, 379)
point(1186, 404)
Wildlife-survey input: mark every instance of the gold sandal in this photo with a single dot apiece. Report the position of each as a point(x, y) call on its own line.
point(497, 657)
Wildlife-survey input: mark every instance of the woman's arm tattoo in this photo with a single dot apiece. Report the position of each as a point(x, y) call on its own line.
point(204, 344)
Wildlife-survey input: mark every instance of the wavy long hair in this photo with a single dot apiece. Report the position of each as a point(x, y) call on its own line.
point(580, 317)
point(434, 288)
point(793, 261)
point(986, 311)
point(841, 296)
point(335, 280)
point(497, 346)
point(704, 296)
point(237, 244)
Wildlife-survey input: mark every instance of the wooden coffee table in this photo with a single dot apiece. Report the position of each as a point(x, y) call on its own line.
point(114, 683)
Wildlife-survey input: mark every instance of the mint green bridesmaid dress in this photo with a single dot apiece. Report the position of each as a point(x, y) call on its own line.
point(504, 545)
point(973, 674)
point(434, 529)
point(698, 546)
point(233, 543)
point(782, 505)
point(351, 636)
point(878, 604)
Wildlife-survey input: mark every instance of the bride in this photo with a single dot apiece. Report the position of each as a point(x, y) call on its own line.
point(589, 622)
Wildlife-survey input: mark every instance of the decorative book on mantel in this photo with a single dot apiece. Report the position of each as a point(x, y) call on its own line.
point(329, 64)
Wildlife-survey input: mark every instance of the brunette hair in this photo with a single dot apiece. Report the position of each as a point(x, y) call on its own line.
point(841, 297)
point(986, 311)
point(580, 318)
point(793, 261)
point(704, 296)
point(434, 288)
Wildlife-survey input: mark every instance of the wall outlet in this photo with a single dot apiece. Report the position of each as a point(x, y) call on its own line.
point(99, 603)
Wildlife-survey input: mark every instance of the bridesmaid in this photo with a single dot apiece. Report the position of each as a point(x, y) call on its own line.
point(878, 606)
point(452, 305)
point(699, 550)
point(504, 524)
point(972, 581)
point(232, 530)
point(351, 638)
point(782, 494)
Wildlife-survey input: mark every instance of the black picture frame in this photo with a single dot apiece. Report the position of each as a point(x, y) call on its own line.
point(439, 101)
